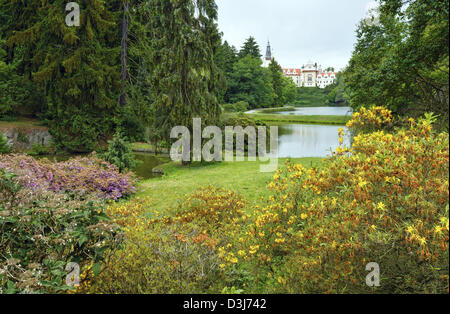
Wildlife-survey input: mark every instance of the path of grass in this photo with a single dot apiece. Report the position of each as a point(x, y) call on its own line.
point(242, 177)
point(278, 118)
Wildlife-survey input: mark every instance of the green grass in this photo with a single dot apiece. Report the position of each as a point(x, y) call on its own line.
point(279, 109)
point(277, 118)
point(242, 177)
point(20, 123)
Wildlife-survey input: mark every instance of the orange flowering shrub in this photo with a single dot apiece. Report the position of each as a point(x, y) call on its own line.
point(386, 200)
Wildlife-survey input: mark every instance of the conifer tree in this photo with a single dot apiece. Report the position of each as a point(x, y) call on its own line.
point(76, 66)
point(250, 47)
point(277, 82)
point(184, 76)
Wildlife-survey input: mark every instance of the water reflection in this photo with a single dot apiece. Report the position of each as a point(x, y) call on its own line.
point(306, 140)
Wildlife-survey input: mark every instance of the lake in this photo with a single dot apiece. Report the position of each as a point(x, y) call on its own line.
point(318, 111)
point(308, 140)
point(311, 140)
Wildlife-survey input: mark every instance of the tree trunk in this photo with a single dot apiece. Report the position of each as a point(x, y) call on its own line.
point(124, 54)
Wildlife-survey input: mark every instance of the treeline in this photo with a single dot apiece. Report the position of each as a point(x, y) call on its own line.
point(130, 65)
point(401, 59)
point(247, 81)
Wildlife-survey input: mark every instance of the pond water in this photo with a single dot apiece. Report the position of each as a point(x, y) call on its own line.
point(311, 140)
point(308, 140)
point(318, 111)
point(145, 165)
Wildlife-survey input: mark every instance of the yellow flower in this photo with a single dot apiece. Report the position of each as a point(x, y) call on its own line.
point(303, 216)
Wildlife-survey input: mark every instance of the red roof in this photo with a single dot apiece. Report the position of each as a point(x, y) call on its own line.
point(292, 72)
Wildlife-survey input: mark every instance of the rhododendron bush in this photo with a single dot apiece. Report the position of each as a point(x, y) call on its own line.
point(85, 175)
point(41, 232)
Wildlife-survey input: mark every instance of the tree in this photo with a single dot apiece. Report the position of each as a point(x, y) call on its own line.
point(77, 67)
point(277, 82)
point(119, 153)
point(184, 76)
point(251, 48)
point(250, 82)
point(403, 61)
point(225, 59)
point(290, 91)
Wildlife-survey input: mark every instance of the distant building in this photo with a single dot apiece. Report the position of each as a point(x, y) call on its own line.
point(268, 57)
point(309, 75)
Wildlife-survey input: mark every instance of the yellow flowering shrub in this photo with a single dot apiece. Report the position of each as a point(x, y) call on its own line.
point(171, 252)
point(386, 200)
point(368, 120)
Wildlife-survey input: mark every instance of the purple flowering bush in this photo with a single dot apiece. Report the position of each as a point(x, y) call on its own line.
point(82, 175)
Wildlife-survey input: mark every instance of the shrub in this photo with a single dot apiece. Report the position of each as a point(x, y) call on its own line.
point(85, 175)
point(4, 148)
point(369, 120)
point(240, 106)
point(386, 201)
point(179, 253)
point(119, 153)
point(39, 150)
point(41, 232)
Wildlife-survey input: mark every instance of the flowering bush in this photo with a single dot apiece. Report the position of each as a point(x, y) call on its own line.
point(386, 200)
point(176, 253)
point(368, 120)
point(41, 232)
point(86, 175)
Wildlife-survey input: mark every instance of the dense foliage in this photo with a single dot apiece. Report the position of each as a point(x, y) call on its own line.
point(4, 148)
point(42, 232)
point(402, 61)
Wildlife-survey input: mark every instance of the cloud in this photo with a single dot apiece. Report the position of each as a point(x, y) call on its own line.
point(299, 30)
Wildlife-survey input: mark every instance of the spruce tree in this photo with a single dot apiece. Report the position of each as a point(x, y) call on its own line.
point(78, 67)
point(184, 76)
point(250, 47)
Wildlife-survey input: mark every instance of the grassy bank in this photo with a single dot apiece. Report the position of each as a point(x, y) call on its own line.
point(280, 119)
point(243, 177)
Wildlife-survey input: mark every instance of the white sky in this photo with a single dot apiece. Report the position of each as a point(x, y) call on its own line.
point(322, 31)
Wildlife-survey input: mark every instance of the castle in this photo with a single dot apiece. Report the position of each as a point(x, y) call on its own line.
point(309, 75)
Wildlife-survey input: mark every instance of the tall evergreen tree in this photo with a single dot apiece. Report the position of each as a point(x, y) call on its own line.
point(277, 82)
point(250, 47)
point(76, 66)
point(184, 76)
point(225, 59)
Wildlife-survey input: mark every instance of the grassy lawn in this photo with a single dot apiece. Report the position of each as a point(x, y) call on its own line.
point(242, 177)
point(277, 118)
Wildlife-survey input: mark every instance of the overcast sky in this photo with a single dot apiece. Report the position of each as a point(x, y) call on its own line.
point(322, 31)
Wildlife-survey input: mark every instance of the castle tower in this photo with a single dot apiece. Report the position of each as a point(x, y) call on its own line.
point(268, 57)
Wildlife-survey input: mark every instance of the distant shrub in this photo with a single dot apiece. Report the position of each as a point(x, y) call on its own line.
point(41, 232)
point(39, 150)
point(119, 153)
point(4, 148)
point(83, 175)
point(240, 106)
